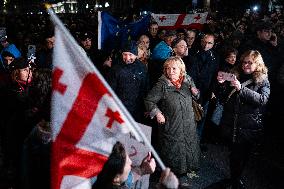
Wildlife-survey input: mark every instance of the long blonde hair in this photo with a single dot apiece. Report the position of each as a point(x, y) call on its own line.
point(261, 70)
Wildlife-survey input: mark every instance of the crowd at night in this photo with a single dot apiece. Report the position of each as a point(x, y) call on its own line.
point(210, 91)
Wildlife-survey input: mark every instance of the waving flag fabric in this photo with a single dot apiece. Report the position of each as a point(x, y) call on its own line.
point(113, 33)
point(86, 117)
point(175, 21)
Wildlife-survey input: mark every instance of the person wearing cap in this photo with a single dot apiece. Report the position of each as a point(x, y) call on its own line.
point(8, 58)
point(85, 40)
point(45, 54)
point(129, 80)
point(15, 102)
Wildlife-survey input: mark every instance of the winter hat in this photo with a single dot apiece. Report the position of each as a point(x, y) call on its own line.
point(18, 63)
point(131, 47)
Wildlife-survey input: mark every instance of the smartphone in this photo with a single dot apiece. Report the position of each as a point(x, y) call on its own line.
point(227, 76)
point(31, 50)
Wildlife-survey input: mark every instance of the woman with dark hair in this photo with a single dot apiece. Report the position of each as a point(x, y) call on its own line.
point(36, 147)
point(15, 104)
point(116, 171)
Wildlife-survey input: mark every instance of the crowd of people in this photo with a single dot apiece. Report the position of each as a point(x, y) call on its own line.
point(235, 62)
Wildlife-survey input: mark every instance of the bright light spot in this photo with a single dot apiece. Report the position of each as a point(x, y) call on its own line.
point(96, 5)
point(106, 4)
point(87, 6)
point(255, 8)
point(100, 6)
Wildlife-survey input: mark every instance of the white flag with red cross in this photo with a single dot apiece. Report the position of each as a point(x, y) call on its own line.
point(175, 21)
point(86, 117)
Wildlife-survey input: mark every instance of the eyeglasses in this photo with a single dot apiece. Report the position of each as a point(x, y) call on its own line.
point(248, 62)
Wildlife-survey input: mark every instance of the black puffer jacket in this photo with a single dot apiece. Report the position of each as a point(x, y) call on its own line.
point(242, 116)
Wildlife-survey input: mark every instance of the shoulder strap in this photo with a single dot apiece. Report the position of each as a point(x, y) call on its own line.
point(243, 84)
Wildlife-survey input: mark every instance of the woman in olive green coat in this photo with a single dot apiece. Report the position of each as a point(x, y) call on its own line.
point(170, 103)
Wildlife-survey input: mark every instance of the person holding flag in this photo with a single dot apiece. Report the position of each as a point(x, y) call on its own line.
point(87, 117)
point(116, 170)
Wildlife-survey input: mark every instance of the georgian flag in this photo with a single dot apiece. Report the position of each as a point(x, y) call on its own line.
point(87, 117)
point(175, 21)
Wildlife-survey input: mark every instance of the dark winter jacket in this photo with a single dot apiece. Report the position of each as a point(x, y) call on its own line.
point(130, 83)
point(204, 70)
point(243, 113)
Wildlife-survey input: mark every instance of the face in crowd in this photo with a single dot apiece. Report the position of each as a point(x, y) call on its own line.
point(153, 29)
point(207, 42)
point(144, 41)
point(8, 60)
point(231, 58)
point(50, 42)
point(248, 65)
point(190, 38)
point(181, 49)
point(128, 57)
point(252, 62)
point(87, 43)
point(174, 68)
point(23, 74)
point(264, 35)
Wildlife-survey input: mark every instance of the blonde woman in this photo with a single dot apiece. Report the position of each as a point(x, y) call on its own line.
point(170, 103)
point(241, 123)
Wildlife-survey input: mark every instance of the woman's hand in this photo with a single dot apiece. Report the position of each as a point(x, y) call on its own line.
point(160, 118)
point(194, 91)
point(220, 77)
point(236, 83)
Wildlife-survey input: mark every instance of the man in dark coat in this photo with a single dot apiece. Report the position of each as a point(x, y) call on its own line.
point(129, 80)
point(203, 72)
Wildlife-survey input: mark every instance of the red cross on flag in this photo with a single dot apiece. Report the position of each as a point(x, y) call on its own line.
point(87, 117)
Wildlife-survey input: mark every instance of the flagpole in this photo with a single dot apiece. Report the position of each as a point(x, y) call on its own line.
point(99, 29)
point(135, 129)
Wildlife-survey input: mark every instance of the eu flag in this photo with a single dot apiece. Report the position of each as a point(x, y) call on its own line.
point(113, 33)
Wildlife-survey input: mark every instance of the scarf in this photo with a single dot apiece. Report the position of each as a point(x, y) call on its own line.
point(178, 82)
